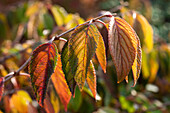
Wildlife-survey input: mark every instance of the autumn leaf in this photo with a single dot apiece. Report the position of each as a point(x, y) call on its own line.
point(41, 67)
point(101, 52)
point(123, 45)
point(1, 87)
point(142, 28)
point(82, 46)
point(66, 69)
point(91, 79)
point(20, 101)
point(136, 67)
point(58, 79)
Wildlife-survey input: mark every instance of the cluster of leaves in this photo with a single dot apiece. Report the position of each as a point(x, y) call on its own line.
point(75, 63)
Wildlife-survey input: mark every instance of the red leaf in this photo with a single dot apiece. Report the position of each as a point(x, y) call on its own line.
point(1, 86)
point(59, 81)
point(123, 45)
point(41, 67)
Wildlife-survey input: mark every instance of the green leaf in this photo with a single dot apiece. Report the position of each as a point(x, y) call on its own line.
point(82, 46)
point(66, 67)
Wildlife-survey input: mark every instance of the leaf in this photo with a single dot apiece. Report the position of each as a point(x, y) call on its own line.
point(101, 53)
point(144, 31)
point(58, 79)
point(66, 69)
point(142, 28)
point(59, 14)
point(20, 101)
point(48, 105)
point(1, 86)
point(41, 67)
point(123, 46)
point(82, 46)
point(136, 67)
point(91, 79)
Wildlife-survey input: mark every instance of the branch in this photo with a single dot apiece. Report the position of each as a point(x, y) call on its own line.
point(17, 73)
point(57, 37)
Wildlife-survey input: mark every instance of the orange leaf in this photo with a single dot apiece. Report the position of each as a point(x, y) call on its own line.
point(1, 86)
point(101, 53)
point(41, 67)
point(123, 46)
point(58, 79)
point(91, 79)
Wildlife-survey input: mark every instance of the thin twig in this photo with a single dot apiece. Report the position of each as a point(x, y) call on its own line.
point(16, 73)
point(94, 19)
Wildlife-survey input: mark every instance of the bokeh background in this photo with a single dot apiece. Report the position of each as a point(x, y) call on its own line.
point(25, 24)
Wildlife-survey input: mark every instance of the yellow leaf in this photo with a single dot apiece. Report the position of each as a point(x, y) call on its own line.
point(142, 27)
point(33, 8)
point(20, 101)
point(59, 14)
point(145, 65)
point(101, 53)
point(145, 31)
point(3, 72)
point(154, 65)
point(136, 67)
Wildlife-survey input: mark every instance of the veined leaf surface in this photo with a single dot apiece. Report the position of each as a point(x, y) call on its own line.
point(91, 79)
point(1, 86)
point(41, 67)
point(66, 69)
point(142, 28)
point(58, 79)
point(136, 67)
point(123, 45)
point(82, 46)
point(101, 52)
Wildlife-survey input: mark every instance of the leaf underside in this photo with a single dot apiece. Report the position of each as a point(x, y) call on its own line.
point(41, 67)
point(123, 45)
point(61, 87)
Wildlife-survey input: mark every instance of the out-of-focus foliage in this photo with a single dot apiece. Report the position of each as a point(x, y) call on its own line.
point(25, 25)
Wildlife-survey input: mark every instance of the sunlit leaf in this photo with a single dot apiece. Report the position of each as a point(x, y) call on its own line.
point(3, 72)
point(123, 45)
point(145, 65)
point(58, 79)
point(136, 67)
point(59, 14)
point(55, 101)
point(142, 28)
point(1, 87)
point(101, 53)
point(66, 69)
point(82, 46)
point(33, 9)
point(71, 20)
point(41, 67)
point(91, 79)
point(20, 101)
point(154, 65)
